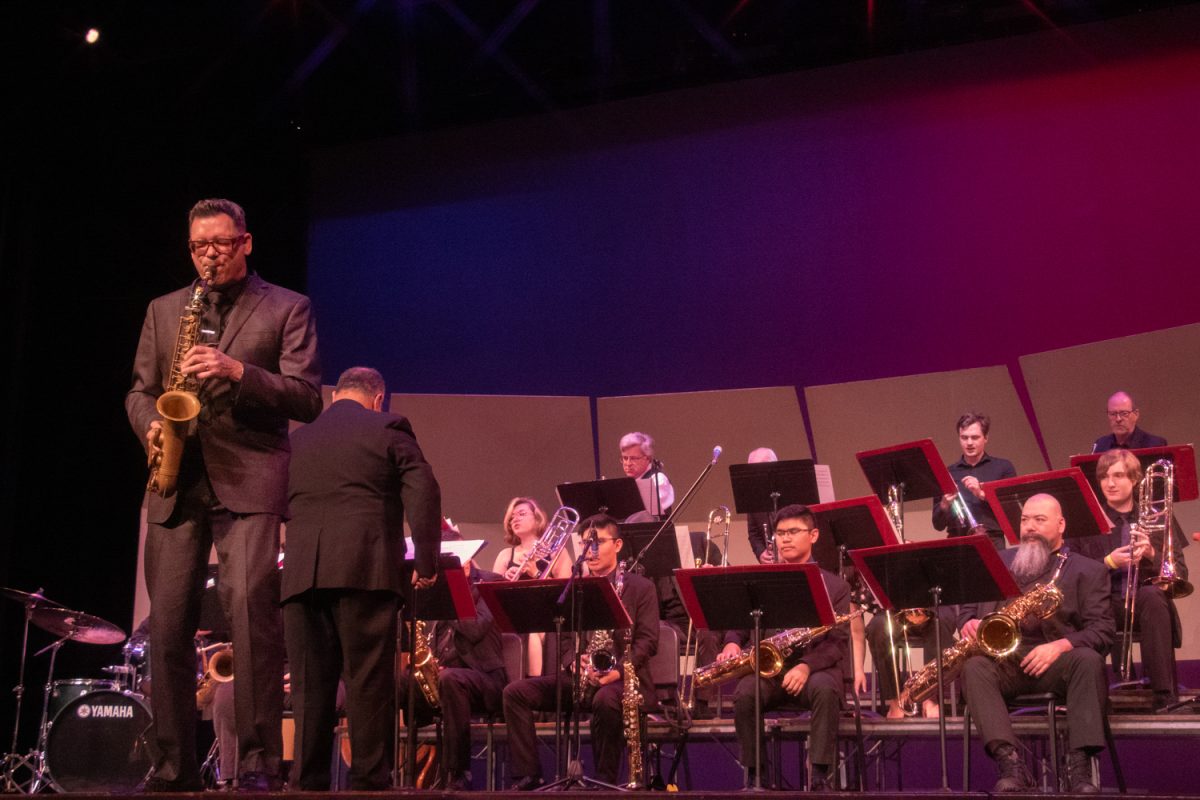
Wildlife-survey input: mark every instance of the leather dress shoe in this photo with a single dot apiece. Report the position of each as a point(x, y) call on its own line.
point(458, 781)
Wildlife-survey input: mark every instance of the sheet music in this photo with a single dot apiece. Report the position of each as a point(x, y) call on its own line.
point(465, 549)
point(684, 540)
point(824, 483)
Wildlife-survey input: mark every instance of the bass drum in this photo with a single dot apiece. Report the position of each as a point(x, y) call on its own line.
point(66, 692)
point(97, 743)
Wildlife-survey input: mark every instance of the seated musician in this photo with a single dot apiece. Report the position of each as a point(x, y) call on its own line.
point(884, 640)
point(522, 698)
point(975, 466)
point(812, 678)
point(471, 676)
point(1119, 473)
point(638, 461)
point(1123, 416)
point(524, 524)
point(1062, 654)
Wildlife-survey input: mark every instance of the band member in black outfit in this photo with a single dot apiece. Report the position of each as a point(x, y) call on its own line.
point(1123, 418)
point(975, 467)
point(812, 678)
point(356, 473)
point(1063, 654)
point(471, 675)
point(601, 538)
point(913, 624)
point(1155, 617)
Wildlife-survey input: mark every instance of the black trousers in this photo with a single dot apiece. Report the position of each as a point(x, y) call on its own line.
point(522, 698)
point(1076, 676)
point(881, 655)
point(822, 695)
point(350, 634)
point(1152, 619)
point(176, 561)
point(461, 693)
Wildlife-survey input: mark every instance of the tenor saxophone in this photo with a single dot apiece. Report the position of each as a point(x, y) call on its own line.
point(631, 707)
point(178, 405)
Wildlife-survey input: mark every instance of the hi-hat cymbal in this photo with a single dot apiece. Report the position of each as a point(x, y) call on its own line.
point(77, 626)
point(29, 598)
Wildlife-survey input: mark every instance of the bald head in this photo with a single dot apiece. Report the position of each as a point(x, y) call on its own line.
point(1042, 516)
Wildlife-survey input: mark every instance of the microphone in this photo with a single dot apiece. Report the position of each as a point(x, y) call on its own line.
point(716, 453)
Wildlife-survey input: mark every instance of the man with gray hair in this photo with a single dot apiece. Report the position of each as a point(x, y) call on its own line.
point(638, 461)
point(1123, 416)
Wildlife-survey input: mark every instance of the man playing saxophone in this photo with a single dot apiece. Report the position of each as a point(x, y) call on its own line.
point(812, 676)
point(603, 689)
point(250, 349)
point(1062, 653)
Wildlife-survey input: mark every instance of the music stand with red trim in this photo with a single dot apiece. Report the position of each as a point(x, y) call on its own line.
point(1069, 487)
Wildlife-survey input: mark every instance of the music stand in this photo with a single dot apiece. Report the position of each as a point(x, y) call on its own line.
point(449, 598)
point(539, 606)
point(1182, 456)
point(766, 595)
point(847, 525)
point(1069, 487)
point(659, 557)
point(964, 569)
point(766, 486)
point(909, 471)
point(617, 497)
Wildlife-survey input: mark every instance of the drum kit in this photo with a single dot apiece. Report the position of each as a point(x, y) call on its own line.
point(92, 736)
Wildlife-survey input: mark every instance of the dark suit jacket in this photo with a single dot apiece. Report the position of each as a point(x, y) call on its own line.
point(1085, 616)
point(354, 475)
point(242, 429)
point(828, 652)
point(1137, 440)
point(477, 643)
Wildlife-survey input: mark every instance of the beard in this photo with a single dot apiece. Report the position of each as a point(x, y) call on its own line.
point(1032, 558)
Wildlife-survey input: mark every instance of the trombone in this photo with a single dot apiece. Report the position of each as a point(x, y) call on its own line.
point(687, 688)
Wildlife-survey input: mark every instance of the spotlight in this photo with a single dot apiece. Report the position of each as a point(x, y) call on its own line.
point(92, 36)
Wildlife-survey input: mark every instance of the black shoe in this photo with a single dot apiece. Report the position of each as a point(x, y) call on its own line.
point(458, 781)
point(527, 784)
point(1164, 699)
point(1079, 773)
point(258, 782)
point(701, 710)
point(1014, 775)
point(821, 780)
point(160, 785)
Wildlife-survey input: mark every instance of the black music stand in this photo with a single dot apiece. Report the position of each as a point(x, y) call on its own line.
point(1182, 456)
point(657, 555)
point(542, 606)
point(619, 498)
point(768, 485)
point(965, 569)
point(766, 595)
point(1069, 487)
point(449, 598)
point(909, 471)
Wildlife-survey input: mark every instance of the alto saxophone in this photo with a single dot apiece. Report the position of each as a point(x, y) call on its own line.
point(425, 665)
point(773, 654)
point(998, 636)
point(631, 707)
point(178, 405)
point(598, 657)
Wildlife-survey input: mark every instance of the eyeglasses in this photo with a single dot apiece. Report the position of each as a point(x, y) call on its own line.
point(1121, 414)
point(633, 459)
point(223, 244)
point(787, 533)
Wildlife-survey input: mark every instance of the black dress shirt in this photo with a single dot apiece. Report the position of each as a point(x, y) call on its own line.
point(989, 468)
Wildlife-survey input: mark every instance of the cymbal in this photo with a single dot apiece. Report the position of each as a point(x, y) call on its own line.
point(77, 626)
point(29, 598)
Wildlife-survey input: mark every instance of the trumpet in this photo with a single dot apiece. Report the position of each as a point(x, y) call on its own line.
point(217, 669)
point(546, 549)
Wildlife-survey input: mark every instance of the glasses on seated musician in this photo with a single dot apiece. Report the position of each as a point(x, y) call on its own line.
point(601, 542)
point(795, 534)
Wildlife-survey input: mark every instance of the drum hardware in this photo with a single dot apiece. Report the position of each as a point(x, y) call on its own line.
point(15, 762)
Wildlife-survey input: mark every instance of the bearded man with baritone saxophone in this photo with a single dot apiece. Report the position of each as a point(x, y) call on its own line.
point(812, 676)
point(1062, 653)
point(604, 690)
point(250, 348)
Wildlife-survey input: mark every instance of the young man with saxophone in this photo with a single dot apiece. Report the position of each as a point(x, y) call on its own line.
point(248, 352)
point(356, 474)
point(1062, 653)
point(603, 690)
point(812, 677)
point(1154, 615)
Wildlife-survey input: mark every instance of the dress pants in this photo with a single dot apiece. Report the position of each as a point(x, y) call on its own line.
point(1076, 676)
point(176, 562)
point(1152, 619)
point(881, 655)
point(461, 692)
point(522, 698)
point(351, 634)
point(822, 695)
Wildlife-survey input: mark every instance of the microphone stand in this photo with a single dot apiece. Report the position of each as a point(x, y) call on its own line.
point(679, 506)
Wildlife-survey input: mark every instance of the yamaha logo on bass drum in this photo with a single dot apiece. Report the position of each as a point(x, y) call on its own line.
point(105, 712)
